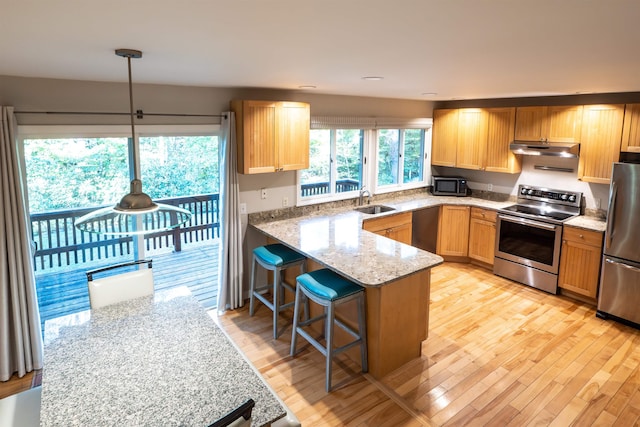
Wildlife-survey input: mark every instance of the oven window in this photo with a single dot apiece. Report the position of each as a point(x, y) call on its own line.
point(526, 241)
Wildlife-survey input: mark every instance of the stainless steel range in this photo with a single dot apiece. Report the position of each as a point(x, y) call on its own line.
point(529, 236)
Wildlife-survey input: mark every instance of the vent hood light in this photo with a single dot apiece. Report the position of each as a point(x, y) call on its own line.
point(555, 149)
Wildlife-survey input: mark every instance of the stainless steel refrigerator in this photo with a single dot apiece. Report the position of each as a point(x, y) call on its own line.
point(620, 279)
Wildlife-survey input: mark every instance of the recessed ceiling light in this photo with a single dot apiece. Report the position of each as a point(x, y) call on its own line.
point(306, 87)
point(372, 78)
point(429, 93)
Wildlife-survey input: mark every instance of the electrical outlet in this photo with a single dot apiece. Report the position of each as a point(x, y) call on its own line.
point(285, 202)
point(598, 202)
point(243, 208)
point(263, 193)
point(489, 187)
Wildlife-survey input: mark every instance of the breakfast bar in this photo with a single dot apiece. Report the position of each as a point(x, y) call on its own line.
point(396, 278)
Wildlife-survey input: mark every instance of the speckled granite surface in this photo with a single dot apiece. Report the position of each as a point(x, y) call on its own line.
point(147, 362)
point(588, 223)
point(334, 236)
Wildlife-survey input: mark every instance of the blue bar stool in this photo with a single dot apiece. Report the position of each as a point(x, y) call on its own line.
point(328, 289)
point(276, 258)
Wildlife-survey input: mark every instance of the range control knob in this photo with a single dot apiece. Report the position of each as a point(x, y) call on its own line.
point(564, 197)
point(530, 192)
point(572, 198)
point(523, 191)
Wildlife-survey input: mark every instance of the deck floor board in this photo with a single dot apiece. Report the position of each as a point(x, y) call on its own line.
point(196, 266)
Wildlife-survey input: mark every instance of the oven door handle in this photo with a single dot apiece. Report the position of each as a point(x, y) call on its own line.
point(524, 221)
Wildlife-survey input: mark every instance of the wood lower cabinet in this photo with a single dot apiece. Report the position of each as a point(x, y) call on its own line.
point(600, 144)
point(631, 129)
point(549, 123)
point(453, 231)
point(396, 227)
point(272, 136)
point(580, 261)
point(482, 235)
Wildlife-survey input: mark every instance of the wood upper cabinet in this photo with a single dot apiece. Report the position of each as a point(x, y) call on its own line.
point(475, 138)
point(396, 227)
point(550, 124)
point(453, 231)
point(444, 137)
point(500, 133)
point(631, 129)
point(472, 138)
point(272, 136)
point(600, 142)
point(482, 235)
point(580, 260)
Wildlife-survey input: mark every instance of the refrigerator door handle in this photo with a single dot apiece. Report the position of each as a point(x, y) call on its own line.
point(611, 214)
point(621, 264)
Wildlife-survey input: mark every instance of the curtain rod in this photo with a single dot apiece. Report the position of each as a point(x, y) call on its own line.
point(139, 114)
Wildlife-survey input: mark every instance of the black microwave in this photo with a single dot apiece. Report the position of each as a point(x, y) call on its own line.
point(449, 186)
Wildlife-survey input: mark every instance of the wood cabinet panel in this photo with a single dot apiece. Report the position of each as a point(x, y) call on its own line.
point(396, 227)
point(631, 129)
point(271, 136)
point(475, 138)
point(600, 144)
point(549, 123)
point(482, 235)
point(580, 260)
point(444, 138)
point(472, 138)
point(500, 133)
point(293, 149)
point(453, 230)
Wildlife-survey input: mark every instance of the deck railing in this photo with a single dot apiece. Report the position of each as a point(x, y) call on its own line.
point(316, 188)
point(59, 244)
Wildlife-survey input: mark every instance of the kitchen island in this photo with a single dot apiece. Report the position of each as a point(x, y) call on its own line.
point(149, 361)
point(396, 278)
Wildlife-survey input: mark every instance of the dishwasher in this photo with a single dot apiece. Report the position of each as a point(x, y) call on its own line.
point(424, 228)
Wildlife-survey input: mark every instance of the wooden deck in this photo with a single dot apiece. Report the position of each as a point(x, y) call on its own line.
point(196, 266)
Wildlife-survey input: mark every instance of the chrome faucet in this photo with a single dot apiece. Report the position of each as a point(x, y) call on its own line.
point(361, 197)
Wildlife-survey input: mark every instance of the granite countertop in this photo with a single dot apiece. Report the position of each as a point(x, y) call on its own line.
point(148, 361)
point(588, 223)
point(334, 237)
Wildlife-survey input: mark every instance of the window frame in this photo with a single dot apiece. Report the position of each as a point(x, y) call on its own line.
point(332, 195)
point(370, 129)
point(426, 165)
point(25, 132)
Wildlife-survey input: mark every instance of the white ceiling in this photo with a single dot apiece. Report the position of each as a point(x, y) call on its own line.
point(460, 49)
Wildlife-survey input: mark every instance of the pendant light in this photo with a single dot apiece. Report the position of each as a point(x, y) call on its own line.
point(136, 213)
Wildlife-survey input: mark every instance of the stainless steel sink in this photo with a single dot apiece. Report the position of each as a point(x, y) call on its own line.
point(374, 209)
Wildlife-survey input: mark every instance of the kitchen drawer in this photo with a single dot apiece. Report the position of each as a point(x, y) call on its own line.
point(588, 237)
point(385, 222)
point(485, 214)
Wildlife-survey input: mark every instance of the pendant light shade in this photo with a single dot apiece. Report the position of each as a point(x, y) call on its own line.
point(136, 213)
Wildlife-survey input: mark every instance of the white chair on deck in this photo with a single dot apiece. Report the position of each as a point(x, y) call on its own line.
point(120, 287)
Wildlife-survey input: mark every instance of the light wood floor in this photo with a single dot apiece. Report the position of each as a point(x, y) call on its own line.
point(498, 354)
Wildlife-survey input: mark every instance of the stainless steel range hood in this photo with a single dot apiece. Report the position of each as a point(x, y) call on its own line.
point(557, 149)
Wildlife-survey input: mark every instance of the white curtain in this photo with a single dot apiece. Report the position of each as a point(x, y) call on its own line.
point(20, 332)
point(230, 292)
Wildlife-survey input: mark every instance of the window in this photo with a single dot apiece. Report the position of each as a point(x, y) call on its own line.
point(335, 163)
point(400, 156)
point(342, 148)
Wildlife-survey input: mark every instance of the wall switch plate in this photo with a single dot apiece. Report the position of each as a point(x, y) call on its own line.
point(263, 193)
point(243, 208)
point(285, 202)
